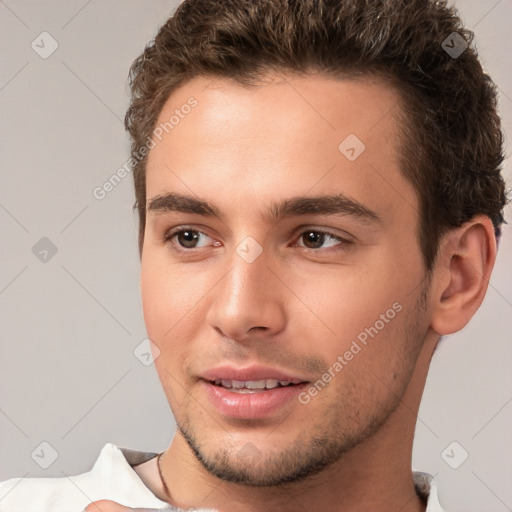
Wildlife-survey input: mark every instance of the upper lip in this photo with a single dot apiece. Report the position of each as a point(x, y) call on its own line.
point(227, 372)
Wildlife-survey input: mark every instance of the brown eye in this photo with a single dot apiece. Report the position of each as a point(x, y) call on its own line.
point(313, 239)
point(187, 238)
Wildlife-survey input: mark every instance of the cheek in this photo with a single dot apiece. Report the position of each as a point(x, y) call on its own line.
point(359, 313)
point(166, 294)
point(168, 300)
point(173, 303)
point(346, 301)
point(157, 302)
point(374, 366)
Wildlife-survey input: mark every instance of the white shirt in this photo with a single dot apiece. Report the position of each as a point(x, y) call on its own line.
point(113, 478)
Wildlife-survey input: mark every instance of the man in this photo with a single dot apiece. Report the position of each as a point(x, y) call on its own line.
point(320, 200)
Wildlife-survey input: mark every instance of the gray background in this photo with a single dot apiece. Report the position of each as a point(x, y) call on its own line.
point(70, 324)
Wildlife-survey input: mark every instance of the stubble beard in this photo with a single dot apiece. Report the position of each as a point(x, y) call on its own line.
point(314, 449)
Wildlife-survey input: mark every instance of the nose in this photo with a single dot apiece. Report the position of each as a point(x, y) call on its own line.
point(249, 300)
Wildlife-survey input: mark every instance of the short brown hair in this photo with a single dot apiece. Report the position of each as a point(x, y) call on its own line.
point(451, 146)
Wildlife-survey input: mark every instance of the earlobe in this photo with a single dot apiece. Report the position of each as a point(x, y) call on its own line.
point(466, 259)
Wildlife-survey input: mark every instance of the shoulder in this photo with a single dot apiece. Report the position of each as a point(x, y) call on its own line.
point(67, 493)
point(43, 494)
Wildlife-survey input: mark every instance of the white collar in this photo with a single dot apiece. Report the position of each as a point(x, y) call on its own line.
point(424, 483)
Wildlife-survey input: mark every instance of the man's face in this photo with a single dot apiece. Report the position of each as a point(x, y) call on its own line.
point(328, 301)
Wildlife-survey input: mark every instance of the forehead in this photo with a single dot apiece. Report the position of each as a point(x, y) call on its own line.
point(287, 134)
point(305, 107)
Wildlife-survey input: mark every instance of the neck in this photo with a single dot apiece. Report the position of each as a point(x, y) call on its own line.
point(376, 474)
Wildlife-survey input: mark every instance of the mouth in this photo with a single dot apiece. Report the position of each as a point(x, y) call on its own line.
point(253, 386)
point(253, 392)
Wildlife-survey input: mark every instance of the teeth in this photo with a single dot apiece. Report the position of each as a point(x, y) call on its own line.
point(252, 384)
point(255, 384)
point(271, 383)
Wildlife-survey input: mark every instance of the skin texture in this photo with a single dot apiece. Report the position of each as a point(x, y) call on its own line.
point(297, 306)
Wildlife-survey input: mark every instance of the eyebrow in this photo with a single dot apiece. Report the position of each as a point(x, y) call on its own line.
point(338, 204)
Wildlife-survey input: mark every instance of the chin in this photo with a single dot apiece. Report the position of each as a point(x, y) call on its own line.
point(254, 461)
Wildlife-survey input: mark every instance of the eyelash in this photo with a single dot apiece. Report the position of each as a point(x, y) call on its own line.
point(344, 243)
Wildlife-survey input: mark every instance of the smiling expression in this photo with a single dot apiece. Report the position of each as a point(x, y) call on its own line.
point(269, 249)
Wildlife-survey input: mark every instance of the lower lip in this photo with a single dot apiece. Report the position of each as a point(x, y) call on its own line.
point(251, 406)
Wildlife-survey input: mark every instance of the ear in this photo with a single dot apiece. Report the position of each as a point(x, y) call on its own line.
point(461, 276)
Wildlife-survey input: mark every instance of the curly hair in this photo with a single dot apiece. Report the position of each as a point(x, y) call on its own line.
point(451, 138)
